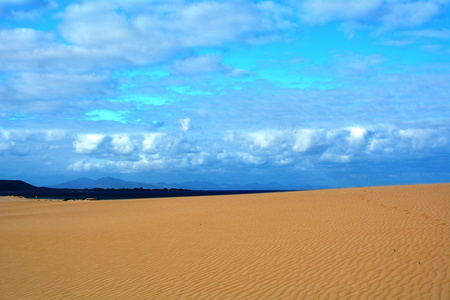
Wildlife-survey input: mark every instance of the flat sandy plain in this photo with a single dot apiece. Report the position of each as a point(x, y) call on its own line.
point(359, 243)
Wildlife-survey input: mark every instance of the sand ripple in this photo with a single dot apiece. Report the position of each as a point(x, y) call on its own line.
point(363, 243)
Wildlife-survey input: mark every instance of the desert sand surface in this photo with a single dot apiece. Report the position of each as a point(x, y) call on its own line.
point(359, 243)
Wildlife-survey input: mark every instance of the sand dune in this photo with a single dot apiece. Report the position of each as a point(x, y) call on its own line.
point(362, 243)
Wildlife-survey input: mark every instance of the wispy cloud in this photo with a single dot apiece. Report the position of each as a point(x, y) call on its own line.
point(199, 64)
point(430, 33)
point(387, 14)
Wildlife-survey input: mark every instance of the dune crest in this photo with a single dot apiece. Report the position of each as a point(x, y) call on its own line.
point(359, 243)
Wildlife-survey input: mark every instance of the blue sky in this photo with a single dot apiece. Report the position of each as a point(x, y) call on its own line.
point(326, 93)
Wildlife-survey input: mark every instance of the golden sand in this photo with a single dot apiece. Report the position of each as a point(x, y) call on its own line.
point(361, 243)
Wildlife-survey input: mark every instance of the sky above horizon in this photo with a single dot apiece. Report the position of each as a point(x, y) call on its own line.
point(324, 93)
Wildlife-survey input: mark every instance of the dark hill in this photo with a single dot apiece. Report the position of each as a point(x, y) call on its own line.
point(15, 185)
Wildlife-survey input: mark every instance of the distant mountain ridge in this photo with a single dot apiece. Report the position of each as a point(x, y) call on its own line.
point(106, 183)
point(74, 184)
point(115, 183)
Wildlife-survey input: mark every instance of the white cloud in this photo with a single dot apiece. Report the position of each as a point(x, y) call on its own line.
point(350, 28)
point(58, 86)
point(305, 139)
point(415, 138)
point(122, 144)
point(17, 135)
point(5, 134)
point(202, 158)
point(402, 141)
point(389, 14)
point(229, 136)
point(231, 21)
point(6, 144)
point(294, 150)
point(76, 166)
point(152, 142)
point(54, 135)
point(281, 147)
point(409, 14)
point(222, 155)
point(355, 63)
point(20, 38)
point(95, 24)
point(152, 32)
point(86, 143)
point(146, 162)
point(32, 143)
point(338, 145)
point(108, 34)
point(357, 136)
point(363, 63)
point(382, 144)
point(429, 33)
point(250, 159)
point(198, 65)
point(87, 165)
point(398, 43)
point(276, 15)
point(322, 11)
point(20, 46)
point(283, 161)
point(335, 158)
point(264, 139)
point(185, 124)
